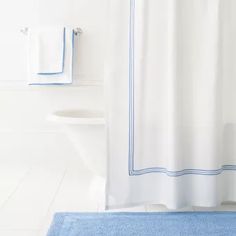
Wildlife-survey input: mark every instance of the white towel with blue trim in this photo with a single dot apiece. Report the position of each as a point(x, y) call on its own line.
point(50, 50)
point(50, 56)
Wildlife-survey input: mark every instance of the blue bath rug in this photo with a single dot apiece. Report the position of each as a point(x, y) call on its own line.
point(144, 224)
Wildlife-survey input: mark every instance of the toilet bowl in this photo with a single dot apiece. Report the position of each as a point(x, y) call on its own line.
point(86, 130)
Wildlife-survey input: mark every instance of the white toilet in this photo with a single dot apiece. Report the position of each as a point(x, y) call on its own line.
point(86, 130)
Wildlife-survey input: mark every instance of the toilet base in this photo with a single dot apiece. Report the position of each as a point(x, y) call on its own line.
point(97, 192)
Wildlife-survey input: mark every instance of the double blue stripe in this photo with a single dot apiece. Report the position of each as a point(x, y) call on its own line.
point(132, 171)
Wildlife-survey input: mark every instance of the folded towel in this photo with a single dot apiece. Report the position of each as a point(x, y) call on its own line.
point(50, 50)
point(47, 76)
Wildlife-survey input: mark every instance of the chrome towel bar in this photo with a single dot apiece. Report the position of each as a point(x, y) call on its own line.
point(77, 31)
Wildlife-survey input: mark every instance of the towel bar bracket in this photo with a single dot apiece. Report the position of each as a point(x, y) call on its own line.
point(78, 31)
point(24, 30)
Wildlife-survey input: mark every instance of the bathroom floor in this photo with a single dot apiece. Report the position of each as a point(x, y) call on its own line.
point(30, 193)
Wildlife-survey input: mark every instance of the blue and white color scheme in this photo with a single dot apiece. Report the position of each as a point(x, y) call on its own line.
point(132, 170)
point(52, 66)
point(172, 122)
point(148, 224)
point(51, 50)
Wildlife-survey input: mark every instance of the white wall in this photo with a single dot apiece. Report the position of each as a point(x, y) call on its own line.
point(24, 131)
point(90, 15)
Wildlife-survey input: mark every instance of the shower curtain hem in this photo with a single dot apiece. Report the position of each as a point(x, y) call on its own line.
point(141, 204)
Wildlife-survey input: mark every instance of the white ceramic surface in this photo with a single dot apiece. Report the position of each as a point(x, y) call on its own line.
point(86, 129)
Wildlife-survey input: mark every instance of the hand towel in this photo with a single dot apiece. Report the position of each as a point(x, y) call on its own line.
point(50, 50)
point(65, 77)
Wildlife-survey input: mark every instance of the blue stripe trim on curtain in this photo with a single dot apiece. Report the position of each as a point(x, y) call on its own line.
point(131, 165)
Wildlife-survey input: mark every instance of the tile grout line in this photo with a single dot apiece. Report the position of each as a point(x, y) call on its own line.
point(54, 196)
point(16, 188)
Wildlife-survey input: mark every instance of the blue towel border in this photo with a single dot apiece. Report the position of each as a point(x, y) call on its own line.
point(63, 58)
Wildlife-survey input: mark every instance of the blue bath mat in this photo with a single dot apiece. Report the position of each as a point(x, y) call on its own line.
point(144, 224)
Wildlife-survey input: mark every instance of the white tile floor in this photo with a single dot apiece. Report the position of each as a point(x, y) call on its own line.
point(31, 194)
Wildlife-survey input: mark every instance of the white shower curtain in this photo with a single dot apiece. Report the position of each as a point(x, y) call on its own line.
point(171, 92)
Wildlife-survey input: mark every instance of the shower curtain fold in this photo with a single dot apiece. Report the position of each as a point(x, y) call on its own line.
point(170, 83)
